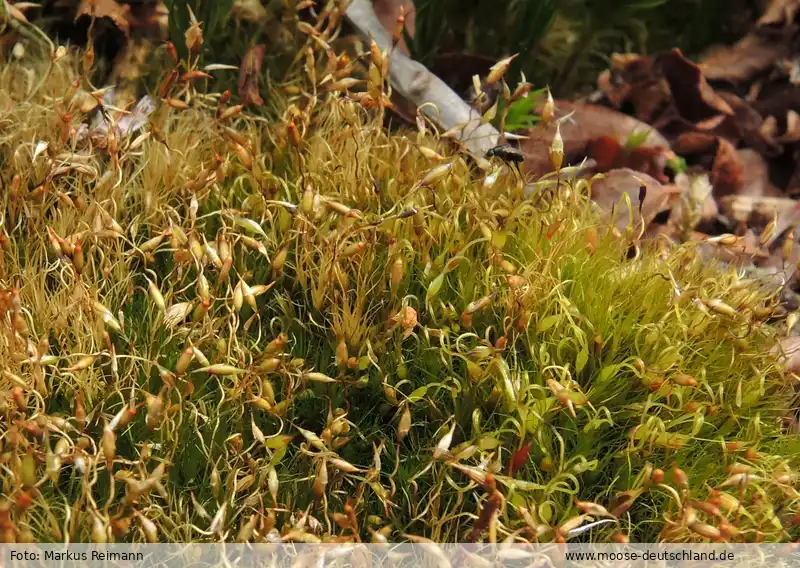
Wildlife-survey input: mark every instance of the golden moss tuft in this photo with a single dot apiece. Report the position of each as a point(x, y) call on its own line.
point(335, 320)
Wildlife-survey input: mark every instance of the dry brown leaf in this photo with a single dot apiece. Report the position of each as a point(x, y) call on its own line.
point(779, 13)
point(745, 126)
point(249, 72)
point(694, 143)
point(117, 13)
point(792, 131)
point(756, 213)
point(614, 89)
point(727, 171)
point(756, 52)
point(589, 122)
point(727, 175)
point(756, 175)
point(769, 128)
point(609, 154)
point(608, 190)
point(672, 125)
point(740, 62)
point(632, 79)
point(694, 98)
point(408, 320)
point(743, 208)
point(406, 317)
point(778, 100)
point(792, 69)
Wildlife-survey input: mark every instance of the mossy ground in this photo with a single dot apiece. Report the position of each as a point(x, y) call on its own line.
point(399, 299)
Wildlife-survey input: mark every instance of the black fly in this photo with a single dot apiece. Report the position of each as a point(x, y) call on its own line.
point(507, 153)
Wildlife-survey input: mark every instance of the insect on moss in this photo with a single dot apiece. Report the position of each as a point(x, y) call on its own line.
point(507, 153)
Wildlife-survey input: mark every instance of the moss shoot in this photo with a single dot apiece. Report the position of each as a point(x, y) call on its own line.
point(224, 321)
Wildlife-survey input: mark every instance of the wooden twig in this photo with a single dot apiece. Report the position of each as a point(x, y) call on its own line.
point(416, 83)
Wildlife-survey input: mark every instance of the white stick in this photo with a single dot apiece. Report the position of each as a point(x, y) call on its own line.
point(417, 84)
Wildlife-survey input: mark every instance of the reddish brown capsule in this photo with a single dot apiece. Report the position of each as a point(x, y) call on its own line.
point(194, 74)
point(80, 410)
point(176, 104)
point(77, 257)
point(231, 112)
point(684, 380)
point(734, 446)
point(293, 133)
point(22, 501)
point(681, 478)
point(620, 538)
point(167, 83)
point(109, 446)
point(173, 53)
point(400, 23)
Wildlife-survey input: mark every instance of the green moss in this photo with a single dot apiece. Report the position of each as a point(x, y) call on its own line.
point(574, 346)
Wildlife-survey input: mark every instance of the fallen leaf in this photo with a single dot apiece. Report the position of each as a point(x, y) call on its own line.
point(745, 126)
point(756, 175)
point(609, 154)
point(604, 151)
point(408, 321)
point(769, 128)
point(792, 131)
point(757, 212)
point(792, 68)
point(727, 175)
point(406, 317)
point(779, 13)
point(694, 98)
point(778, 101)
point(740, 62)
point(727, 171)
point(671, 124)
point(249, 72)
point(633, 80)
point(588, 123)
point(770, 41)
point(117, 13)
point(608, 189)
